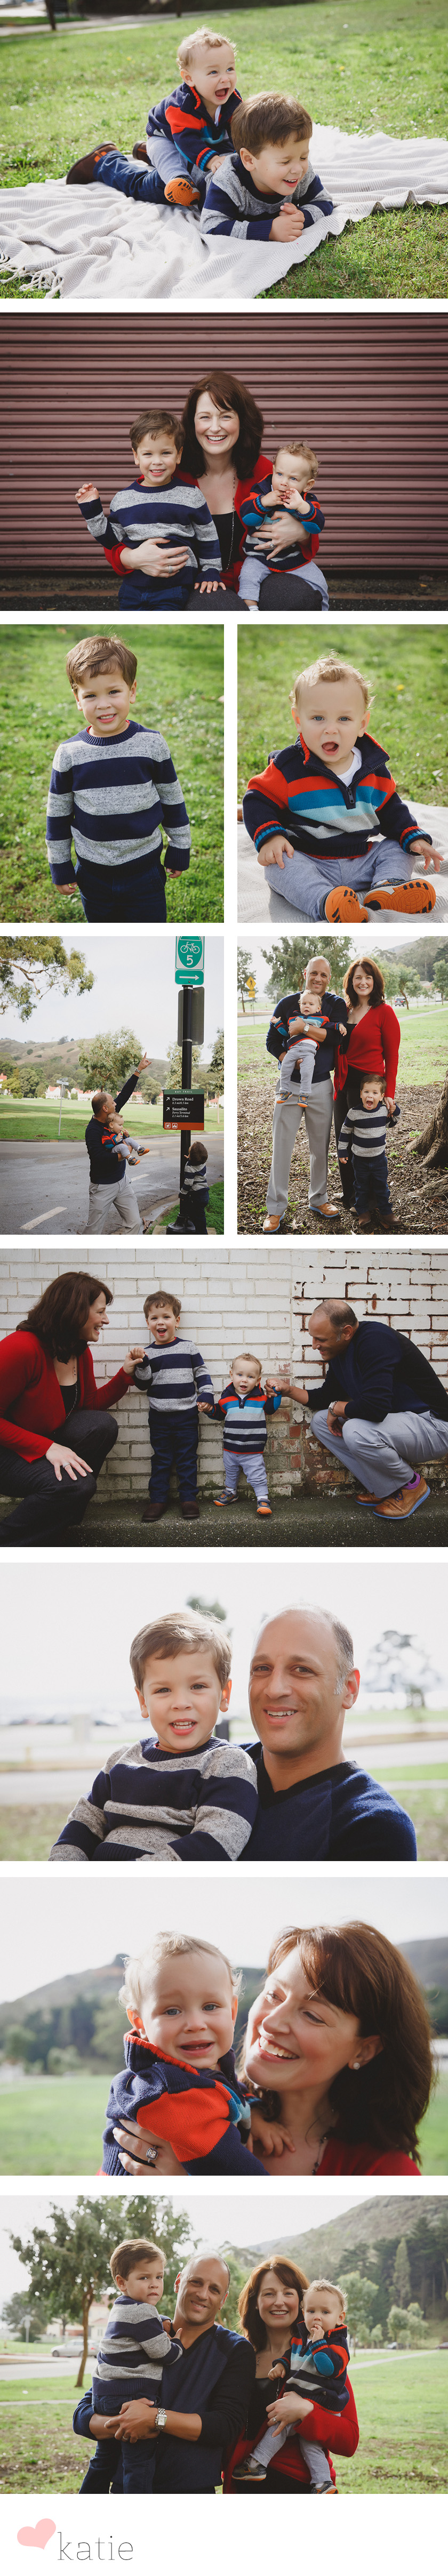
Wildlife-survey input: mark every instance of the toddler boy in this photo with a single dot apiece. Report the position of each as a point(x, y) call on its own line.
point(113, 788)
point(331, 803)
point(365, 1130)
point(134, 2351)
point(181, 1793)
point(244, 1407)
point(180, 1388)
point(264, 511)
point(186, 134)
point(266, 189)
point(180, 2083)
point(116, 1138)
point(156, 511)
point(317, 2368)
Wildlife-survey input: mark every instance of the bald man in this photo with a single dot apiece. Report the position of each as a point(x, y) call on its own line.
point(318, 1108)
point(204, 2395)
point(381, 1409)
point(314, 1804)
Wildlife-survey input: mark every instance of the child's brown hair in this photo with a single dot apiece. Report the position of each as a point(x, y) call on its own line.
point(198, 1153)
point(268, 118)
point(98, 653)
point(180, 1631)
point(148, 423)
point(134, 2250)
point(162, 1297)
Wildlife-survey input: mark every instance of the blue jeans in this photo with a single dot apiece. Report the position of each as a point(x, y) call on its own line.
point(139, 2460)
point(102, 2469)
point(174, 1441)
point(371, 1182)
point(305, 882)
point(120, 894)
point(115, 171)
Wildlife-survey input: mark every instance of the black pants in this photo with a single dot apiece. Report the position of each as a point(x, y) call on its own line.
point(174, 1441)
point(105, 2469)
point(349, 1098)
point(286, 590)
point(47, 1510)
point(371, 1184)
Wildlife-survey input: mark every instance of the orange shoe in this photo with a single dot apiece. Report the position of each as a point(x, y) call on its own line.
point(343, 905)
point(398, 1507)
point(415, 896)
point(264, 1512)
point(179, 192)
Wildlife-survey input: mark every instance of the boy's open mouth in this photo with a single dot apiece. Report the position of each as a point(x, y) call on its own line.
point(183, 1725)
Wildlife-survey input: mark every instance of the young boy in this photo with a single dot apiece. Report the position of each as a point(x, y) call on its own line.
point(317, 2368)
point(134, 2351)
point(180, 1388)
point(331, 804)
point(186, 134)
point(180, 2084)
point(113, 788)
point(180, 1793)
point(263, 512)
point(365, 1130)
point(244, 1408)
point(156, 509)
point(194, 1196)
point(266, 190)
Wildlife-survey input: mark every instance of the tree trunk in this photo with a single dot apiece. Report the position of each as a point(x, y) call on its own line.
point(432, 1145)
point(87, 2295)
point(51, 16)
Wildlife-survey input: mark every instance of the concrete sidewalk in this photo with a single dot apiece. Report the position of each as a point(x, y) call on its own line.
point(45, 1185)
point(301, 1520)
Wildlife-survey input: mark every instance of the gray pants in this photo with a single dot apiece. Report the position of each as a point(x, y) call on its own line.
point(312, 2452)
point(103, 1196)
point(254, 571)
point(382, 1454)
point(252, 1468)
point(165, 158)
point(285, 1125)
point(305, 882)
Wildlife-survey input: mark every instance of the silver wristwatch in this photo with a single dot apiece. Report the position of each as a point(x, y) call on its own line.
point(160, 2419)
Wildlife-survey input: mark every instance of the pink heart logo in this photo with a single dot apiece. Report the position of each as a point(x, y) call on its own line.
point(37, 2538)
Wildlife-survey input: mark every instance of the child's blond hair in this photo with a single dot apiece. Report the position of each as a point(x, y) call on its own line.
point(166, 1945)
point(201, 36)
point(249, 1360)
point(299, 447)
point(181, 1631)
point(322, 2284)
point(329, 667)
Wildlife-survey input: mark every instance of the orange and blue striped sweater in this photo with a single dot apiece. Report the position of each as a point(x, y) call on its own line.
point(203, 2114)
point(298, 794)
point(183, 119)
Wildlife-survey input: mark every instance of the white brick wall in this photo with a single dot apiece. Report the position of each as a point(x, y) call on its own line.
point(232, 1300)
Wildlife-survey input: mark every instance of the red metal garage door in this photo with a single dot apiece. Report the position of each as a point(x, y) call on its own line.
point(369, 390)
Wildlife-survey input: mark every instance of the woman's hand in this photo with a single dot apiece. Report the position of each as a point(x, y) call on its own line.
point(155, 557)
point(283, 535)
point(58, 1458)
point(129, 2137)
point(289, 2410)
point(130, 1363)
point(271, 853)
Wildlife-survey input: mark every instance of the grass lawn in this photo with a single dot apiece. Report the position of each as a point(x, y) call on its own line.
point(36, 1121)
point(27, 1833)
point(433, 2135)
point(423, 1050)
point(214, 1212)
point(401, 2407)
point(407, 671)
point(419, 1204)
point(179, 688)
point(53, 2124)
point(363, 76)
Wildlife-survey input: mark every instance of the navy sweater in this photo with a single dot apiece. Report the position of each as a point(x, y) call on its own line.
point(380, 1372)
point(104, 1165)
point(300, 795)
point(173, 514)
point(203, 2126)
point(113, 799)
point(214, 2378)
point(319, 2370)
point(175, 1377)
point(339, 1814)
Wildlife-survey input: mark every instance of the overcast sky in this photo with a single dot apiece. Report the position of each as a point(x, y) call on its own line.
point(134, 988)
point(73, 1929)
point(254, 2220)
point(66, 1645)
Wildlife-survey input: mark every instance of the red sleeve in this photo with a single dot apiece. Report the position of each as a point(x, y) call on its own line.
point(272, 784)
point(391, 1034)
point(339, 2433)
point(18, 1370)
point(113, 556)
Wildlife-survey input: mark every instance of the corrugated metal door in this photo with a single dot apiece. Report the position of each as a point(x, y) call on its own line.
point(369, 389)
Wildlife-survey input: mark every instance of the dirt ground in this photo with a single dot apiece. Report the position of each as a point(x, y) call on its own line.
point(33, 586)
point(419, 1198)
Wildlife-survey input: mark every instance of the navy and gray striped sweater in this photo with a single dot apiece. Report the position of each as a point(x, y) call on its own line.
point(233, 204)
point(185, 1806)
point(112, 799)
point(174, 515)
point(245, 1419)
point(365, 1131)
point(131, 2357)
point(175, 1378)
point(256, 515)
point(199, 2111)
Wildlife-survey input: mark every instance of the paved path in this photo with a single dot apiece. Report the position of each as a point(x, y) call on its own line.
point(312, 1520)
point(44, 1187)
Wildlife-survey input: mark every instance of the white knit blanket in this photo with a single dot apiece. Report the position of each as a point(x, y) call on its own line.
point(93, 246)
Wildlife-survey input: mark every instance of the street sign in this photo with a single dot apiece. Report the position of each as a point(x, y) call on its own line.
point(183, 1109)
point(251, 984)
point(189, 958)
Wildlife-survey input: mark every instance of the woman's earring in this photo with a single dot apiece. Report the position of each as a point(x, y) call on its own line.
point(356, 2065)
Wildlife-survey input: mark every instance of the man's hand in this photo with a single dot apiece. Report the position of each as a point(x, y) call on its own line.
point(424, 850)
point(288, 224)
point(87, 492)
point(271, 854)
point(335, 1416)
point(130, 1363)
point(144, 1065)
point(137, 2420)
point(104, 2426)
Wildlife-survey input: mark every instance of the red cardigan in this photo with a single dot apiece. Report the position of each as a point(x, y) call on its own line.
point(341, 2159)
point(31, 1402)
point(371, 1047)
point(341, 2430)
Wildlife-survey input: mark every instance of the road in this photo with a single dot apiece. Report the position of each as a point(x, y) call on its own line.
point(44, 1187)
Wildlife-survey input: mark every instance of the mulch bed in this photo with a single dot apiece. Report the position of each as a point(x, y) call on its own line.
point(419, 1197)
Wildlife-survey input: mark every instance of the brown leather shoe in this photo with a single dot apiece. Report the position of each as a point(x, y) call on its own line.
point(190, 1511)
point(153, 1511)
point(139, 153)
point(398, 1507)
point(326, 1210)
point(83, 172)
point(272, 1224)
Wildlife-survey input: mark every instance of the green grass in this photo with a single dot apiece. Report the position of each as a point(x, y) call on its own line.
point(37, 1121)
point(179, 688)
point(388, 73)
point(27, 1833)
point(401, 2407)
point(407, 671)
point(54, 2125)
point(214, 1212)
point(433, 2135)
point(423, 1049)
